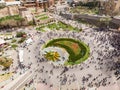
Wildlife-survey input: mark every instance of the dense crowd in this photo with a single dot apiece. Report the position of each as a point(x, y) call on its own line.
point(101, 59)
point(100, 69)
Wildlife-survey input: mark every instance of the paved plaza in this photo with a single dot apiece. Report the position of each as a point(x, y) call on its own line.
point(97, 71)
point(60, 45)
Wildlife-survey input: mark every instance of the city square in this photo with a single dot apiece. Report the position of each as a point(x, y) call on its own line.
point(59, 53)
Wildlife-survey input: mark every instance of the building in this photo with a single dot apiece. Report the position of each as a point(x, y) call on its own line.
point(10, 2)
point(2, 1)
point(44, 4)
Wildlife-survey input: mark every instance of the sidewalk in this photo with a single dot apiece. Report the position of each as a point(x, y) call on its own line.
point(16, 81)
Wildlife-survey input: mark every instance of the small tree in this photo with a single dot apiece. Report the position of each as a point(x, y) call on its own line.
point(52, 55)
point(105, 21)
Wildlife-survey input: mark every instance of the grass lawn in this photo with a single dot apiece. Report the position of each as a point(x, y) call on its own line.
point(40, 15)
point(74, 46)
point(6, 62)
point(43, 18)
point(58, 26)
point(5, 76)
point(78, 51)
point(14, 46)
point(41, 29)
point(14, 17)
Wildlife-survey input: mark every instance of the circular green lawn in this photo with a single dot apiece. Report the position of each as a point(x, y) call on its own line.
point(77, 50)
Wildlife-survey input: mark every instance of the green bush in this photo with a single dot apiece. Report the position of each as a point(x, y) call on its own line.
point(14, 17)
point(44, 18)
point(31, 23)
point(14, 46)
point(17, 18)
point(40, 29)
point(20, 34)
point(13, 40)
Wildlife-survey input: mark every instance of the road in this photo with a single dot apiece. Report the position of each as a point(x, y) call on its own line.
point(92, 19)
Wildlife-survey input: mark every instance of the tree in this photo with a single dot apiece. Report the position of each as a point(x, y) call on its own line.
point(52, 55)
point(105, 21)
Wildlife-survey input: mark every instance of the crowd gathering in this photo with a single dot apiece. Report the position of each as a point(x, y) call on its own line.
point(100, 69)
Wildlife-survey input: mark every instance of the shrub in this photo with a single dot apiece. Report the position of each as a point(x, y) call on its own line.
point(31, 23)
point(2, 5)
point(20, 34)
point(14, 46)
point(13, 40)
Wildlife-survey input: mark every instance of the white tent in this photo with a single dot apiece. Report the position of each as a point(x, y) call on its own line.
point(21, 55)
point(93, 88)
point(2, 41)
point(13, 3)
point(29, 41)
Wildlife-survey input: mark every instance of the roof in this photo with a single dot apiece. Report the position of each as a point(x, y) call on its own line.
point(29, 41)
point(21, 55)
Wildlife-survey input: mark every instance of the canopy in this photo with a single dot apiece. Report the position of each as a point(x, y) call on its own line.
point(21, 55)
point(2, 41)
point(93, 88)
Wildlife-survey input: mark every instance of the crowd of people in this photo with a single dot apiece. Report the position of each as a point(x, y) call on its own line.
point(98, 70)
point(100, 62)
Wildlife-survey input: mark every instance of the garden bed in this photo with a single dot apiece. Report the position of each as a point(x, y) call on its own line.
point(58, 26)
point(5, 62)
point(78, 51)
